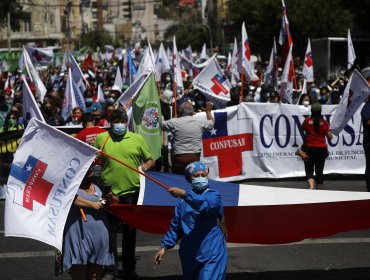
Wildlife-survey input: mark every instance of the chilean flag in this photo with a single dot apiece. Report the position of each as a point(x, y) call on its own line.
point(213, 83)
point(227, 145)
point(285, 38)
point(255, 214)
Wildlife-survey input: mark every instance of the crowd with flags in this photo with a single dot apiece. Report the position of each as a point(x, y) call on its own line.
point(150, 85)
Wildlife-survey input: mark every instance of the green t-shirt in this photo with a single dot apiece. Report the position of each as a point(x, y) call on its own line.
point(131, 149)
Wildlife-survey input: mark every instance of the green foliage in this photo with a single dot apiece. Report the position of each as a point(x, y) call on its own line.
point(194, 34)
point(96, 39)
point(308, 18)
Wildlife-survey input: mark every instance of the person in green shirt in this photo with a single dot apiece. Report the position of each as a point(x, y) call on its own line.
point(132, 149)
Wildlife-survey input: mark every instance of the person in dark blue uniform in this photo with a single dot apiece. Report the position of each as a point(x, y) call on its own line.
point(196, 222)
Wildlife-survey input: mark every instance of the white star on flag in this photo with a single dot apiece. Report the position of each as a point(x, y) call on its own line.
point(213, 131)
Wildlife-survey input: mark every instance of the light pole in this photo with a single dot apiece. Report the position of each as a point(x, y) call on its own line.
point(9, 31)
point(67, 13)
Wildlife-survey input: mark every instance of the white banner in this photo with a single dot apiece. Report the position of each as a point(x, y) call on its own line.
point(46, 172)
point(259, 140)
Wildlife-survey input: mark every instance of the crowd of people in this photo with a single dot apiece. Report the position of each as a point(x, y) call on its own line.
point(105, 126)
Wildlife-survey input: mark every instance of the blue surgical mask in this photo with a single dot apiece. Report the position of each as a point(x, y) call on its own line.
point(89, 101)
point(119, 128)
point(199, 183)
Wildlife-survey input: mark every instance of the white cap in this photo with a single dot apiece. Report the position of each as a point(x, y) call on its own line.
point(115, 87)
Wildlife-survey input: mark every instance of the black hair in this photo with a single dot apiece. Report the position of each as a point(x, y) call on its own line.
point(87, 117)
point(118, 113)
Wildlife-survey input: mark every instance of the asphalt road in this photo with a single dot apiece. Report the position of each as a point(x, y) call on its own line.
point(343, 256)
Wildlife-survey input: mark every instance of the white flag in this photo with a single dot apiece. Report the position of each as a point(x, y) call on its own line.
point(214, 84)
point(356, 91)
point(146, 64)
point(25, 62)
point(308, 64)
point(72, 97)
point(177, 78)
point(40, 56)
point(100, 96)
point(304, 91)
point(203, 54)
point(246, 56)
point(162, 64)
point(351, 57)
point(77, 74)
point(29, 105)
point(287, 78)
point(4, 66)
point(118, 81)
point(234, 62)
point(46, 173)
point(271, 73)
point(130, 93)
point(64, 66)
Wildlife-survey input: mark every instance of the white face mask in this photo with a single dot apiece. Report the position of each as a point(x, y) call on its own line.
point(305, 103)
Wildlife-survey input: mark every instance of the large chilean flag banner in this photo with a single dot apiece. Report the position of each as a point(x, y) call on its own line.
point(259, 140)
point(255, 214)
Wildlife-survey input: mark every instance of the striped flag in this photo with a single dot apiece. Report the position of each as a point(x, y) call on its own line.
point(285, 38)
point(255, 214)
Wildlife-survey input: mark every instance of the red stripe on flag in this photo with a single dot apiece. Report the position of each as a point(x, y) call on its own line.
point(276, 224)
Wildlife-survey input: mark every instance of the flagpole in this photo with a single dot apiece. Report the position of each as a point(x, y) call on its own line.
point(136, 170)
point(83, 215)
point(242, 83)
point(175, 97)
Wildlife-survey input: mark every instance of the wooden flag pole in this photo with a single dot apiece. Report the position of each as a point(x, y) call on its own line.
point(136, 170)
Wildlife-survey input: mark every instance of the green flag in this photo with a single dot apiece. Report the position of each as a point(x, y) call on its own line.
point(147, 116)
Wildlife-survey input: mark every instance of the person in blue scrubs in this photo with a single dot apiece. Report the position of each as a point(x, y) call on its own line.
point(196, 222)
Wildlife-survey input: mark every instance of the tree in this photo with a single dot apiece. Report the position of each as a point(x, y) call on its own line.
point(308, 18)
point(96, 39)
point(188, 34)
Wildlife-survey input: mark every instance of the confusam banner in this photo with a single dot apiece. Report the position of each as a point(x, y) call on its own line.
point(46, 172)
point(259, 140)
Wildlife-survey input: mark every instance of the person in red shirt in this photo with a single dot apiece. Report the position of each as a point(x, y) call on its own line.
point(89, 131)
point(317, 130)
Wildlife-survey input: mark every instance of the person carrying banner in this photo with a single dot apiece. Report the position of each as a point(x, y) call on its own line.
point(86, 246)
point(365, 116)
point(196, 222)
point(187, 134)
point(316, 129)
point(132, 149)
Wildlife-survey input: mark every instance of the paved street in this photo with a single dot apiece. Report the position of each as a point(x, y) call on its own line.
point(343, 256)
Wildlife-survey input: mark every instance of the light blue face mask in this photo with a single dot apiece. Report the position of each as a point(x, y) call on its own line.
point(119, 128)
point(199, 183)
